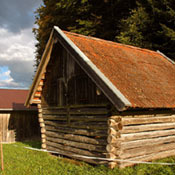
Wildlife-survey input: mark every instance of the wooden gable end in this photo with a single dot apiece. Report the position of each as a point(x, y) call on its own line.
point(66, 83)
point(93, 74)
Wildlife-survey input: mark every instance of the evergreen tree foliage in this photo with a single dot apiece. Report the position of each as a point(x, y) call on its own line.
point(98, 18)
point(143, 23)
point(151, 25)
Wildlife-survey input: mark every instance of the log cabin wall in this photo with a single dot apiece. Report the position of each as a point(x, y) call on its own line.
point(141, 137)
point(73, 109)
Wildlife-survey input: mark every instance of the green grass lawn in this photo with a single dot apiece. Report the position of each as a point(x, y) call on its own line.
point(21, 161)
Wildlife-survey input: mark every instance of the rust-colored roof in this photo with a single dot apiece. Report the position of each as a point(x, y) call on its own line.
point(13, 99)
point(144, 77)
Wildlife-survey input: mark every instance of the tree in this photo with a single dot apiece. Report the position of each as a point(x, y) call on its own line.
point(98, 18)
point(151, 25)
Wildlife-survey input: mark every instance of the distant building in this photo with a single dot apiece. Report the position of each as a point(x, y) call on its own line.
point(16, 121)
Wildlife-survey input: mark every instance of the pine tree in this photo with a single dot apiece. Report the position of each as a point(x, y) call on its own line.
point(98, 18)
point(151, 25)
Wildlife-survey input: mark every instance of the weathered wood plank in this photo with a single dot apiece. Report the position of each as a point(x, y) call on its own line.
point(75, 150)
point(82, 125)
point(147, 127)
point(147, 120)
point(89, 112)
point(55, 117)
point(70, 154)
point(147, 142)
point(78, 106)
point(145, 150)
point(78, 131)
point(78, 138)
point(147, 135)
point(75, 117)
point(149, 157)
point(90, 147)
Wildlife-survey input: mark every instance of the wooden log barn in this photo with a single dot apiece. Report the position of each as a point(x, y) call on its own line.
point(17, 123)
point(103, 99)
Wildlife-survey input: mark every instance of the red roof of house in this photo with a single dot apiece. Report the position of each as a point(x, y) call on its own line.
point(13, 99)
point(144, 77)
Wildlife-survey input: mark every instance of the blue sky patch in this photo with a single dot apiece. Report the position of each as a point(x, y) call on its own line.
point(3, 73)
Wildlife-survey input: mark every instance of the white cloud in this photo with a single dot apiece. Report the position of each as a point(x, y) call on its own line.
point(17, 53)
point(7, 81)
point(17, 42)
point(19, 46)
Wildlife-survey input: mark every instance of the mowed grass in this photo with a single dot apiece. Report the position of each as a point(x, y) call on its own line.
point(21, 161)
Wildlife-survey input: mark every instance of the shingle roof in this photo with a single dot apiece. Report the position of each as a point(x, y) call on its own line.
point(13, 99)
point(137, 78)
point(144, 77)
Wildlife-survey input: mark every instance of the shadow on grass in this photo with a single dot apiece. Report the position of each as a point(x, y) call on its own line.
point(33, 144)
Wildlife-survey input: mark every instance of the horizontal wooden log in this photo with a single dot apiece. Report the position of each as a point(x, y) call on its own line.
point(89, 118)
point(79, 107)
point(90, 147)
point(78, 138)
point(74, 118)
point(149, 157)
point(147, 120)
point(147, 127)
point(56, 112)
point(70, 154)
point(75, 150)
point(89, 125)
point(147, 135)
point(90, 112)
point(86, 132)
point(147, 142)
point(55, 117)
point(82, 125)
point(144, 150)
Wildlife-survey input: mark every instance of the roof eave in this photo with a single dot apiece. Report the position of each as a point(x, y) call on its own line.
point(40, 70)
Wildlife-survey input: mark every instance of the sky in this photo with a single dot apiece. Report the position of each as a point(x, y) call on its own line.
point(17, 43)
